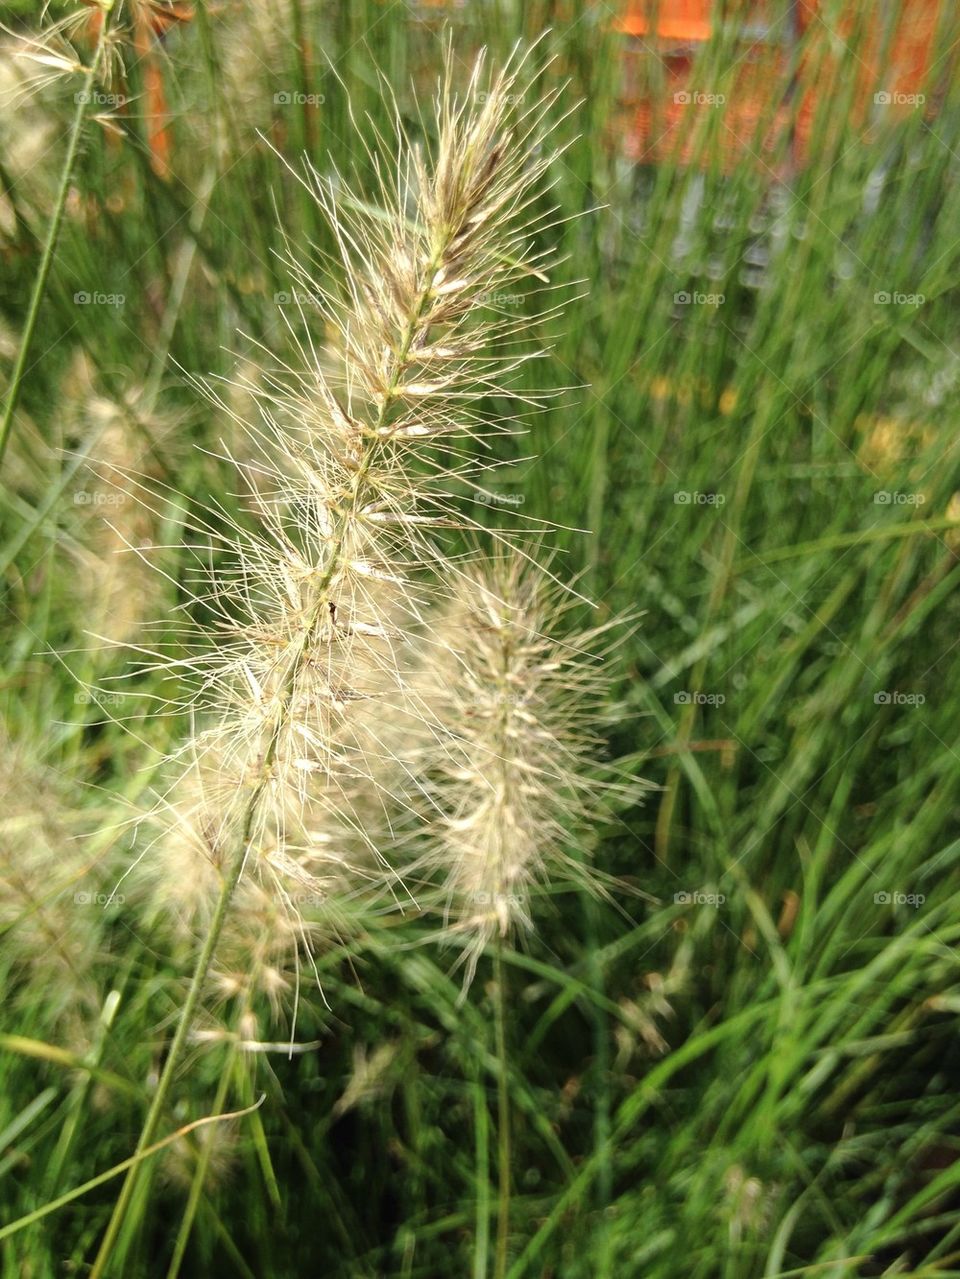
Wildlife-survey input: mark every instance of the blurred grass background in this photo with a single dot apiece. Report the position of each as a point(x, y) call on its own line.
point(752, 1073)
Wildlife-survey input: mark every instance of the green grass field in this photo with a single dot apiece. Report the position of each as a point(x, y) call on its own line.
point(739, 1060)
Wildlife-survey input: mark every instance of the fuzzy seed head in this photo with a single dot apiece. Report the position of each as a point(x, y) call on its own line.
point(518, 781)
point(320, 582)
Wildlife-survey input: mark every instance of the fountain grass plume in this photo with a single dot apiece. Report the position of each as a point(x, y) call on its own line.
point(347, 490)
point(517, 782)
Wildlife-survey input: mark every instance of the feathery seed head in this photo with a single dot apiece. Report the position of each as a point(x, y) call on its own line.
point(49, 922)
point(320, 583)
point(287, 902)
point(60, 50)
point(522, 701)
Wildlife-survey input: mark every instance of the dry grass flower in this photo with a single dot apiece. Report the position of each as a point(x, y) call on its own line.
point(516, 782)
point(314, 597)
point(315, 586)
point(51, 918)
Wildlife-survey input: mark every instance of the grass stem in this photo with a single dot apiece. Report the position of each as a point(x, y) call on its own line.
point(504, 1157)
point(189, 1011)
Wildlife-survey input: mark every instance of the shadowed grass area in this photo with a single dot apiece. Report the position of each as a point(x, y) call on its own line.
point(741, 1062)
